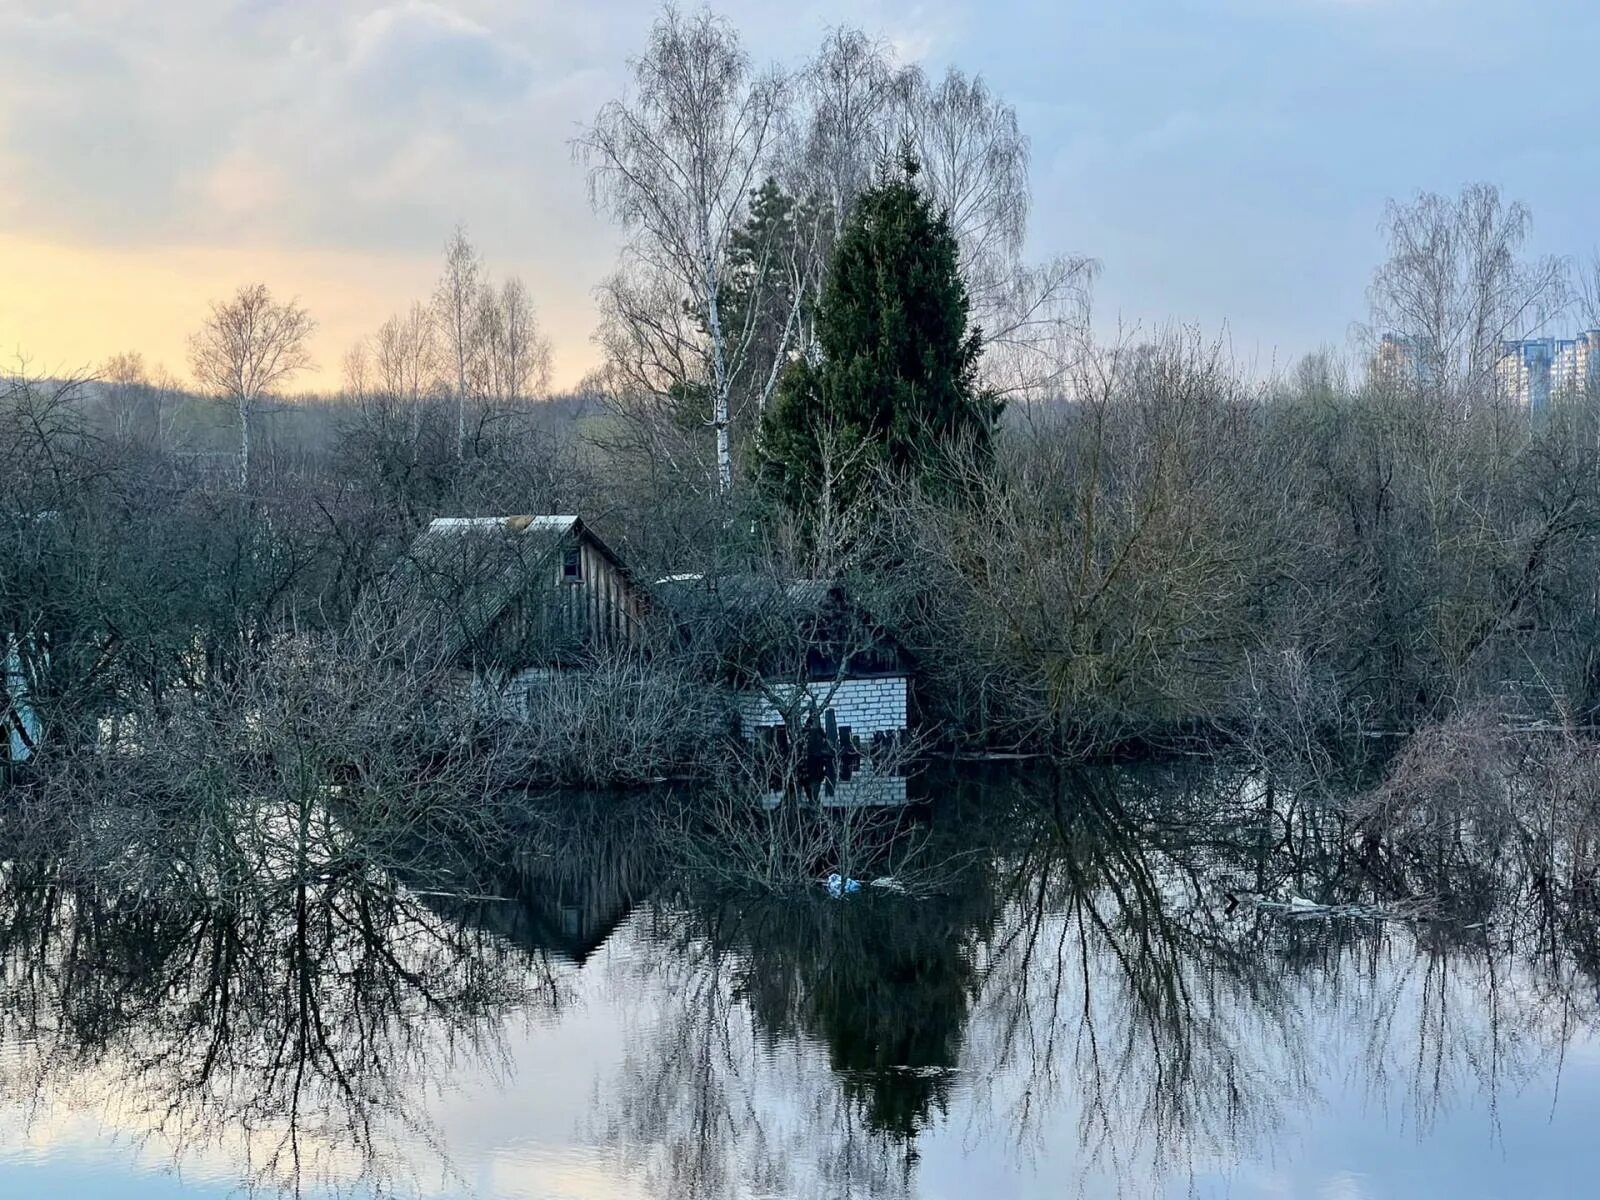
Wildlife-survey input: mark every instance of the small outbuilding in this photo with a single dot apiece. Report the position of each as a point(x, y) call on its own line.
point(513, 598)
point(800, 654)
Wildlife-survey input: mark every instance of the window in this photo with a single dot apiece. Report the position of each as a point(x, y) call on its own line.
point(571, 921)
point(572, 563)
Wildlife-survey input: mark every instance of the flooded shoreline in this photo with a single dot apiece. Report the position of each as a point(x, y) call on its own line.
point(1101, 997)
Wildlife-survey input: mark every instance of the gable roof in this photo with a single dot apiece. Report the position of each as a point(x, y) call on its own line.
point(759, 623)
point(461, 572)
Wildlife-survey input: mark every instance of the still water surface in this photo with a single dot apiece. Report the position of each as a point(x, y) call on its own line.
point(1078, 1010)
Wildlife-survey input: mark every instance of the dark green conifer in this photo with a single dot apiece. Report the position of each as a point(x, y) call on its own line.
point(894, 382)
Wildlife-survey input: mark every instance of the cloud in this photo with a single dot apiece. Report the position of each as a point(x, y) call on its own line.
point(418, 51)
point(75, 131)
point(1173, 141)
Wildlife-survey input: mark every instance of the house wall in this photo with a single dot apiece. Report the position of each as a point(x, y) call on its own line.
point(18, 721)
point(610, 605)
point(556, 618)
point(866, 706)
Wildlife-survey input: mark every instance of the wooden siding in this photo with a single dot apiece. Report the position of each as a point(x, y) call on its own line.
point(556, 618)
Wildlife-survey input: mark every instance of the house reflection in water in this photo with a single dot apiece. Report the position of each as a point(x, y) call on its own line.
point(858, 788)
point(596, 859)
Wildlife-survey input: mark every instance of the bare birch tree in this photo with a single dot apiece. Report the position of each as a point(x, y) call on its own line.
point(1455, 285)
point(523, 353)
point(674, 165)
point(358, 370)
point(975, 159)
point(406, 359)
point(124, 390)
point(860, 108)
point(851, 92)
point(248, 347)
point(848, 99)
point(514, 358)
point(455, 309)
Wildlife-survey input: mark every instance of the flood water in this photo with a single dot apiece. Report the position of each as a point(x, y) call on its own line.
point(1077, 1009)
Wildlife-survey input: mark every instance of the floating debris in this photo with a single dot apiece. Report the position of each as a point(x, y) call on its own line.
point(839, 886)
point(1414, 909)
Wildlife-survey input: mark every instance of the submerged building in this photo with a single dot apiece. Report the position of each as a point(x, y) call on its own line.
point(801, 655)
point(509, 599)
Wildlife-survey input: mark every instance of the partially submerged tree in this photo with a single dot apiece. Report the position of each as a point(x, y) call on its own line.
point(248, 347)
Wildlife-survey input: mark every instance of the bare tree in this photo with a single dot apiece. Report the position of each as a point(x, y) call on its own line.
point(975, 158)
point(974, 161)
point(1589, 286)
point(248, 347)
point(860, 107)
point(844, 128)
point(123, 388)
point(850, 92)
point(166, 395)
point(406, 359)
point(455, 309)
point(519, 353)
point(674, 165)
point(1455, 286)
point(358, 370)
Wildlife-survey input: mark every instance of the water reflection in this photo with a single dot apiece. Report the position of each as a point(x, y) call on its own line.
point(290, 1037)
point(800, 1042)
point(1087, 999)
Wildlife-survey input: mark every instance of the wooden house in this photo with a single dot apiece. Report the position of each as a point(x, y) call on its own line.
point(511, 598)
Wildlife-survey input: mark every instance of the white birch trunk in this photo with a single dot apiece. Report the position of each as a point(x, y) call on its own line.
point(245, 407)
point(719, 366)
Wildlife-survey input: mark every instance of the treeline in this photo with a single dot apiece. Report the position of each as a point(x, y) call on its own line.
point(1185, 556)
point(1180, 555)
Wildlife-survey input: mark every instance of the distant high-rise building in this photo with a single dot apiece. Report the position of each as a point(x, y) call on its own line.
point(1403, 361)
point(1533, 372)
point(1577, 365)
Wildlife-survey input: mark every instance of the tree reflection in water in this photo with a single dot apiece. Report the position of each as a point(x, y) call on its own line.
point(1096, 969)
point(1080, 990)
point(293, 1038)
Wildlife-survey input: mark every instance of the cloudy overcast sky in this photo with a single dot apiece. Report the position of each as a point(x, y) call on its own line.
point(1226, 161)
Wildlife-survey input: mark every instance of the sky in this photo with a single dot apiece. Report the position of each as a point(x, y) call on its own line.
point(1225, 161)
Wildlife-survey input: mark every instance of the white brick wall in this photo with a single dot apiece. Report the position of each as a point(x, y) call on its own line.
point(863, 790)
point(865, 706)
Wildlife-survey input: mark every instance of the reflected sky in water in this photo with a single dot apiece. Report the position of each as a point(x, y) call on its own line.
point(1076, 1011)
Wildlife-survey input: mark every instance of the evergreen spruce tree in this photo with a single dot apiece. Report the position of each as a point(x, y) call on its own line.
point(895, 380)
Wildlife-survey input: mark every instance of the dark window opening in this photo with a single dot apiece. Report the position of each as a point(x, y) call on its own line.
point(571, 921)
point(572, 563)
